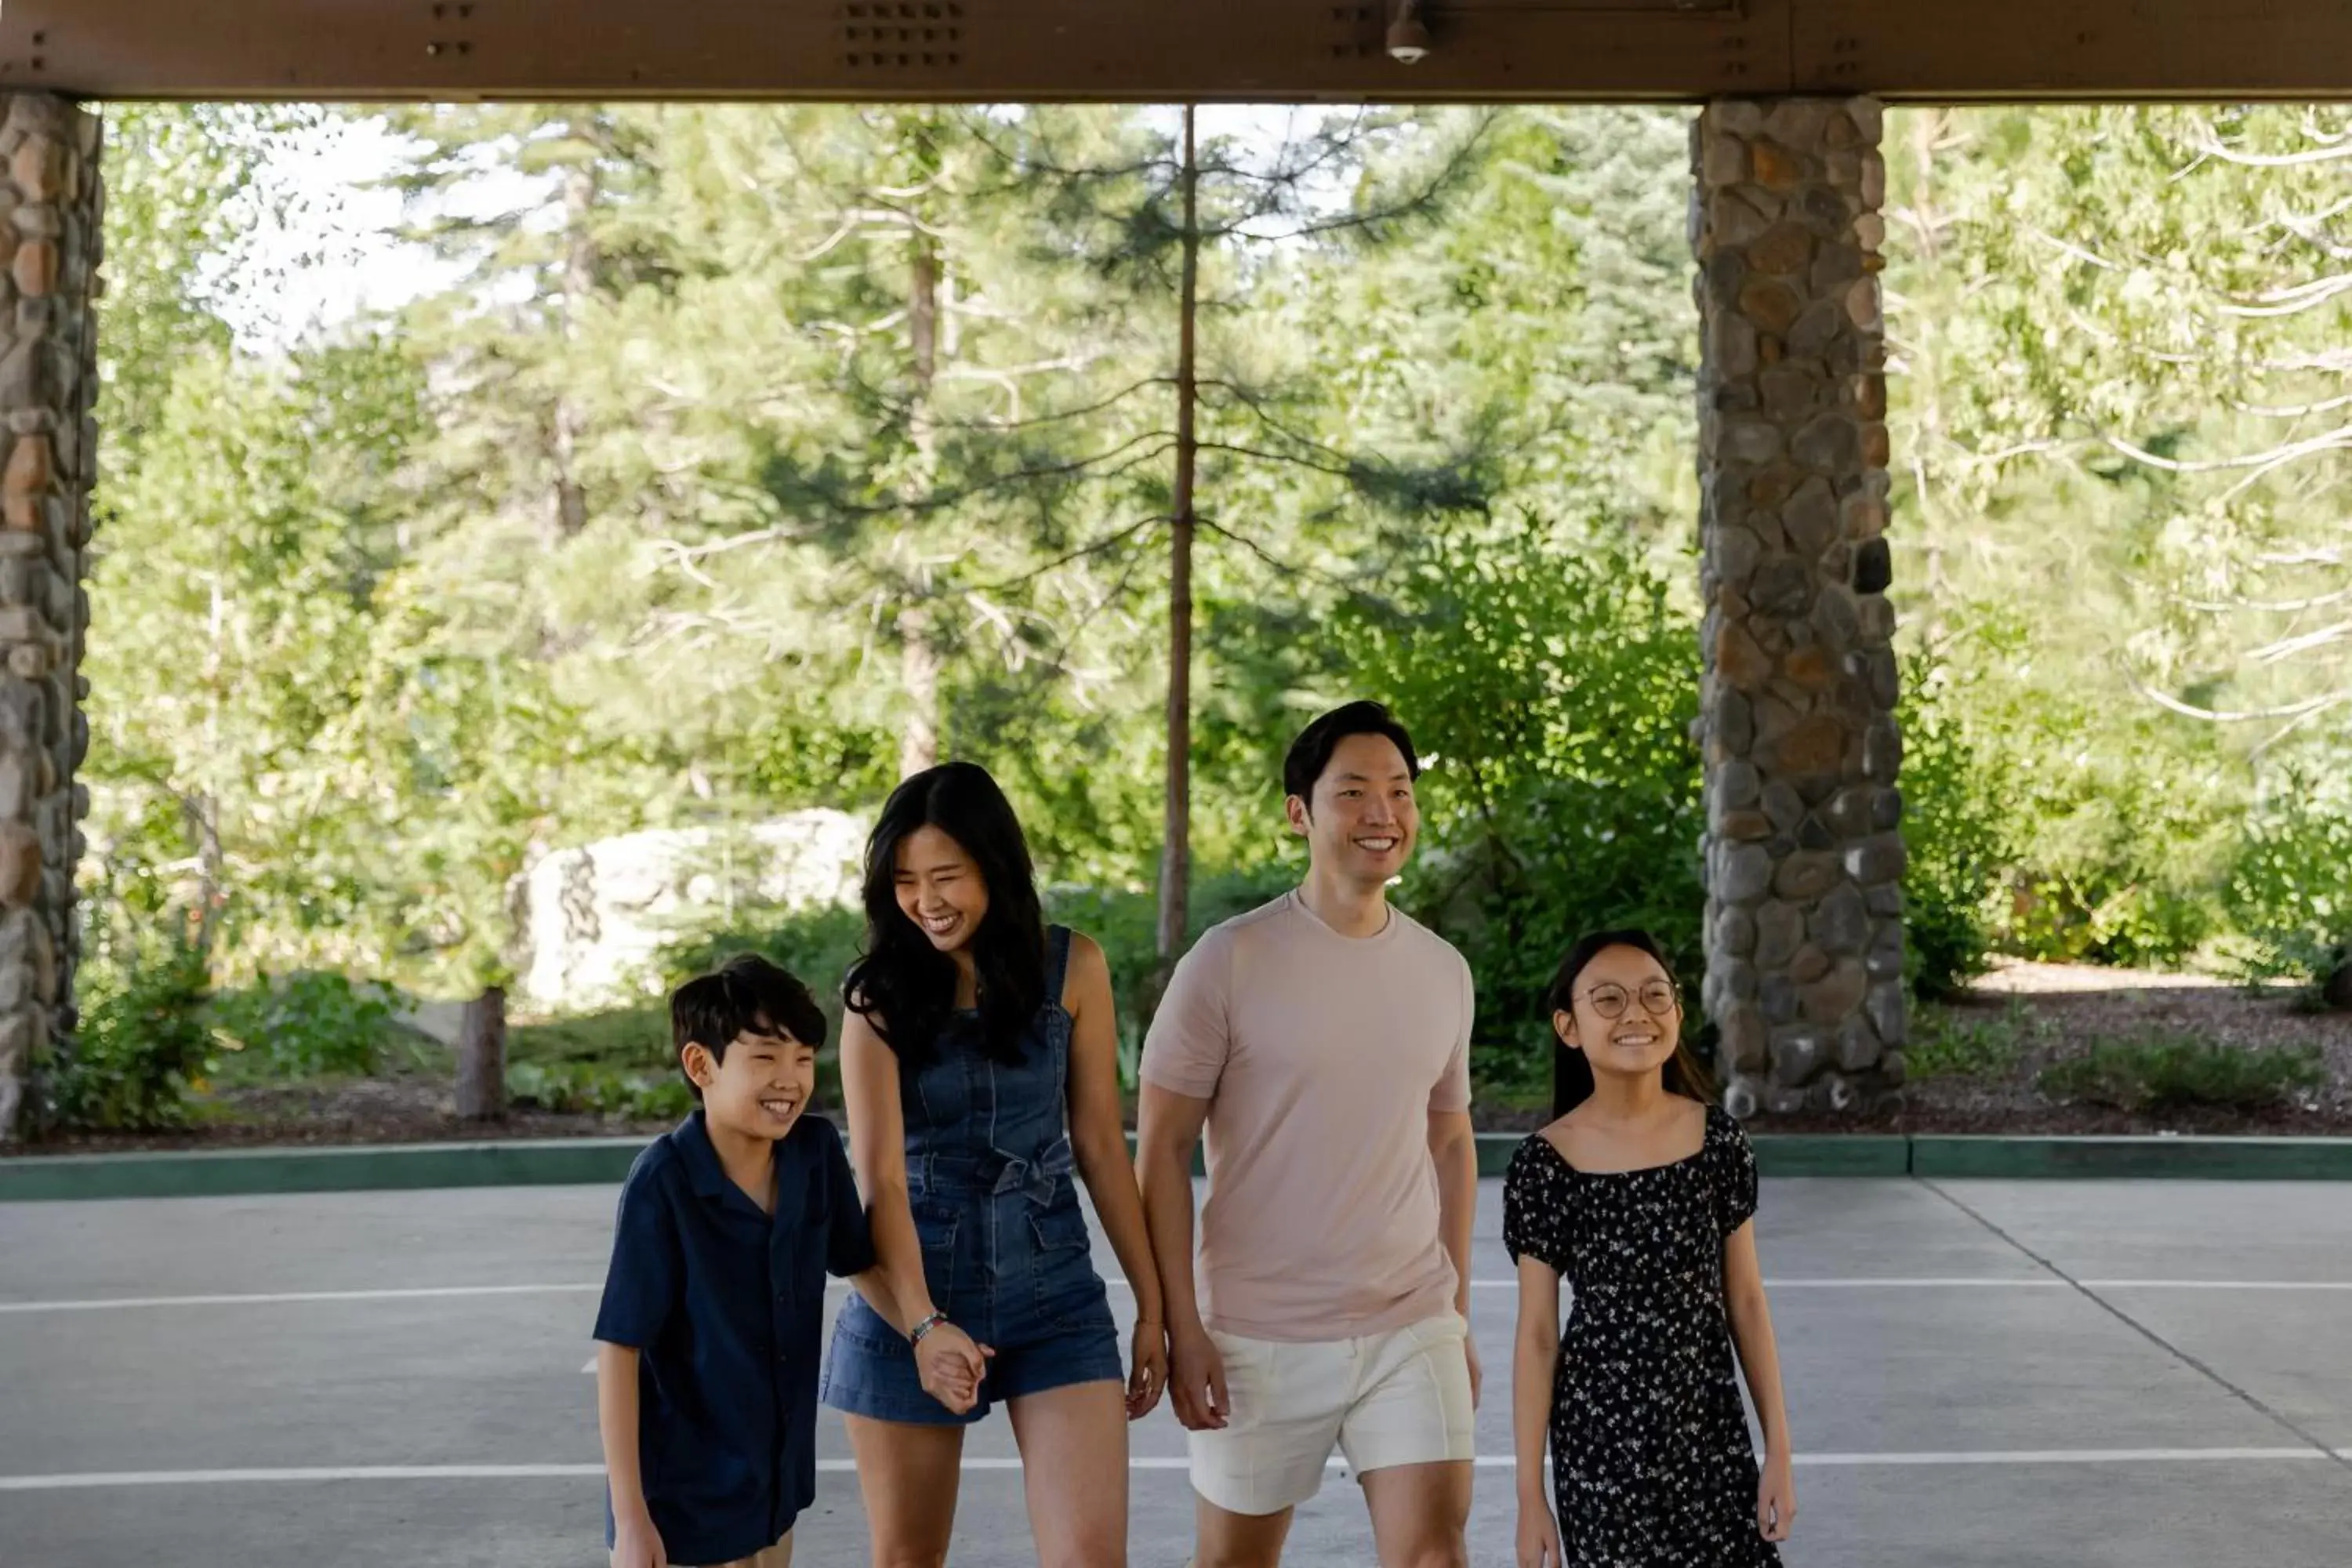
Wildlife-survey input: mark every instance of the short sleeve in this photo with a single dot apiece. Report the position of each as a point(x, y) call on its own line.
point(1191, 1036)
point(649, 1271)
point(1525, 1214)
point(849, 1237)
point(1452, 1091)
point(1735, 1172)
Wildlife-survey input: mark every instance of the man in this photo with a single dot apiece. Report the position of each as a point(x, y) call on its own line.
point(1324, 1043)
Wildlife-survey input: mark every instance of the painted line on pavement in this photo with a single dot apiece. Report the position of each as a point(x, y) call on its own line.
point(99, 1480)
point(590, 1288)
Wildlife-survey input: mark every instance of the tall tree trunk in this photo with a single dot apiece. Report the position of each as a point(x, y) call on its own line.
point(482, 1057)
point(579, 281)
point(918, 651)
point(1176, 852)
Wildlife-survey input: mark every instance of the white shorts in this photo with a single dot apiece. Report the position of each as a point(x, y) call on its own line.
point(1397, 1398)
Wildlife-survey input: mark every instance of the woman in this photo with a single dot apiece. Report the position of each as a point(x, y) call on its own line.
point(979, 1062)
point(1641, 1195)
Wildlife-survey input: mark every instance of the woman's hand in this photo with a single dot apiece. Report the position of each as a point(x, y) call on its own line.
point(1149, 1360)
point(951, 1367)
point(1538, 1536)
point(1776, 1498)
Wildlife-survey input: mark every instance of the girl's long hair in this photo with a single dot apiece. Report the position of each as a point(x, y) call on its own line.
point(905, 987)
point(1571, 1072)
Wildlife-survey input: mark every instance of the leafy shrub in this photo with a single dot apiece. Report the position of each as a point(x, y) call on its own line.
point(594, 1090)
point(1957, 826)
point(143, 1044)
point(308, 1024)
point(2163, 1072)
point(2291, 889)
point(816, 945)
point(1948, 1043)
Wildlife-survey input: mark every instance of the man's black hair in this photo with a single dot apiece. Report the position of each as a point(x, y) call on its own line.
point(1311, 752)
point(747, 995)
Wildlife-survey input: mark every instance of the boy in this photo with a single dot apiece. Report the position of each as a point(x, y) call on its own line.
point(709, 1334)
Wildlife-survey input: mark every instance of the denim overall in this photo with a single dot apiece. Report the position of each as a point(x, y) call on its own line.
point(989, 1177)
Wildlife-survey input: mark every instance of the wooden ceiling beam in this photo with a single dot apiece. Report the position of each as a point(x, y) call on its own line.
point(1170, 50)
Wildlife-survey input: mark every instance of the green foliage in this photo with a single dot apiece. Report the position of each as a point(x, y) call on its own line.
point(1948, 1042)
point(307, 1025)
point(595, 1088)
point(1958, 828)
point(143, 1045)
point(2168, 1072)
point(1551, 689)
point(817, 946)
point(2289, 892)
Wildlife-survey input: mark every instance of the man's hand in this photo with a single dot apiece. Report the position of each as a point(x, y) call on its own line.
point(635, 1542)
point(1196, 1380)
point(951, 1367)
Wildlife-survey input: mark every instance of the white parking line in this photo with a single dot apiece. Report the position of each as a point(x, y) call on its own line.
point(96, 1481)
point(115, 1303)
point(590, 1288)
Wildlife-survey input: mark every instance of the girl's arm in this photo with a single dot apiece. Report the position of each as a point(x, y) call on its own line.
point(1759, 1359)
point(1535, 1359)
point(1099, 1140)
point(878, 1149)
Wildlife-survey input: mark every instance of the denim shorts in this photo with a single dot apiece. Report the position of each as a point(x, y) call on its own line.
point(1017, 1277)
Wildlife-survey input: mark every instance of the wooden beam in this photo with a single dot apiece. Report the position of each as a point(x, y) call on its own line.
point(1171, 50)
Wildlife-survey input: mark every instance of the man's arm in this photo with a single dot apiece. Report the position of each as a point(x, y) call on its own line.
point(1454, 1150)
point(1167, 1130)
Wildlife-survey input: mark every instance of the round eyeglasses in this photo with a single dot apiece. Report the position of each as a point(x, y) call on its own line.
point(1658, 998)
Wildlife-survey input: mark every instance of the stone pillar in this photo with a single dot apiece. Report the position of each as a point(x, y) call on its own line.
point(49, 244)
point(1804, 858)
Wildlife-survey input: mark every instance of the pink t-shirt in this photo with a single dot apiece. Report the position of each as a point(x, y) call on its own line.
point(1322, 1055)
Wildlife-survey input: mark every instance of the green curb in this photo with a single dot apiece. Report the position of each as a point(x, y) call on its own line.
point(1831, 1155)
point(2203, 1159)
point(603, 1162)
point(226, 1173)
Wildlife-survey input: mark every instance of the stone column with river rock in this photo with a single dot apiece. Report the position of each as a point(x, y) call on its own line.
point(50, 206)
point(1804, 853)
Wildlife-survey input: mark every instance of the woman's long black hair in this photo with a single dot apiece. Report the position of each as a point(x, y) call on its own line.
point(1571, 1072)
point(905, 987)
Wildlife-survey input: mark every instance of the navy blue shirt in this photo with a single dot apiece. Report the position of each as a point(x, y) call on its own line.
point(727, 1308)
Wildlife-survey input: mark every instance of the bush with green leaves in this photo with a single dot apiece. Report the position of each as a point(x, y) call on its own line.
point(309, 1024)
point(2290, 891)
point(2171, 1072)
point(1959, 830)
point(596, 1090)
point(143, 1045)
point(1951, 1042)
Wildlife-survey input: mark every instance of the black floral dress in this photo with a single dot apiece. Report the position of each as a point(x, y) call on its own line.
point(1652, 1464)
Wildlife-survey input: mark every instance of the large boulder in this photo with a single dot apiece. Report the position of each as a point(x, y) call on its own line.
point(593, 918)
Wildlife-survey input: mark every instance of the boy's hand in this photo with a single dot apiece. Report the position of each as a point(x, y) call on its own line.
point(635, 1542)
point(951, 1367)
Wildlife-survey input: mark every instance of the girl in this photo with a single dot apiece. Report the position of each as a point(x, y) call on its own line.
point(1640, 1195)
point(978, 1065)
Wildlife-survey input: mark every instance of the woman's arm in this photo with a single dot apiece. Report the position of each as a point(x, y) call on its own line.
point(877, 1151)
point(1099, 1140)
point(1759, 1359)
point(1534, 1362)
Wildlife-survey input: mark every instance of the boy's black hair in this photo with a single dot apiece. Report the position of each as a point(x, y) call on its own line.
point(1311, 752)
point(745, 994)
